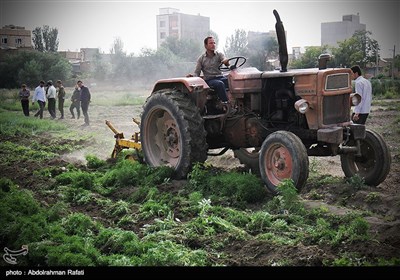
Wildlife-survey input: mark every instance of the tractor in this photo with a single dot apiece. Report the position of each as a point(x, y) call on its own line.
point(280, 118)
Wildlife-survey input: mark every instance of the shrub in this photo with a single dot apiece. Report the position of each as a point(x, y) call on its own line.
point(79, 224)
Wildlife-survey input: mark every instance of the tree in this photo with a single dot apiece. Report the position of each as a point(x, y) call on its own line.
point(397, 61)
point(310, 58)
point(261, 48)
point(31, 67)
point(360, 49)
point(186, 49)
point(236, 44)
point(45, 39)
point(38, 39)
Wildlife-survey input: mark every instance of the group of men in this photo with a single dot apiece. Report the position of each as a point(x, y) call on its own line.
point(48, 94)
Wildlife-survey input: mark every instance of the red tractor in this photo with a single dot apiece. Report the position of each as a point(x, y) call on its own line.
point(281, 117)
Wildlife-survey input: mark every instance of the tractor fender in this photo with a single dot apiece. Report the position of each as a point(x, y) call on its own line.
point(184, 84)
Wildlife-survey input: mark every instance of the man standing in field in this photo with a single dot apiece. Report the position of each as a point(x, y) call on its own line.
point(85, 100)
point(40, 97)
point(61, 98)
point(364, 88)
point(51, 94)
point(24, 96)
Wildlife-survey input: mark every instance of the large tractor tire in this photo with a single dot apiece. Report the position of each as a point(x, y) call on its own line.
point(249, 158)
point(283, 156)
point(373, 165)
point(172, 132)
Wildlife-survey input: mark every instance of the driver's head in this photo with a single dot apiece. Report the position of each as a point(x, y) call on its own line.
point(209, 43)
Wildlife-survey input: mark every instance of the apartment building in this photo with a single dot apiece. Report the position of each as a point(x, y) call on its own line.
point(170, 22)
point(334, 32)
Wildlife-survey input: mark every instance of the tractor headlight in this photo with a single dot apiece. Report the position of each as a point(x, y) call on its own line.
point(302, 106)
point(355, 99)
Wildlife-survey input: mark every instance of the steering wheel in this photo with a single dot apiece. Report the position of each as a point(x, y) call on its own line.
point(238, 61)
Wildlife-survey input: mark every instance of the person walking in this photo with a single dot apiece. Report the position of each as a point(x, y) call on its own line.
point(24, 94)
point(364, 88)
point(51, 94)
point(85, 100)
point(76, 102)
point(61, 98)
point(40, 97)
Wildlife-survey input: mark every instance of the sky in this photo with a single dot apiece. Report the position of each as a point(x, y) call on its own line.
point(96, 24)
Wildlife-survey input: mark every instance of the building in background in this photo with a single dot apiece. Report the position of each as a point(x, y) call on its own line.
point(334, 32)
point(14, 38)
point(170, 22)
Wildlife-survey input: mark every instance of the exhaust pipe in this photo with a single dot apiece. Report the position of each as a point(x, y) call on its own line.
point(280, 33)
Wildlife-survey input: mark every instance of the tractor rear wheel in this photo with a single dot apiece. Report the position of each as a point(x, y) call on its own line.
point(283, 156)
point(172, 132)
point(373, 165)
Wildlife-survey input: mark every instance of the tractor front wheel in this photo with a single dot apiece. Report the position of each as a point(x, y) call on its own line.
point(283, 156)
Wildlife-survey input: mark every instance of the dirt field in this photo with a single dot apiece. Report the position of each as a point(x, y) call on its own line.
point(384, 204)
point(381, 202)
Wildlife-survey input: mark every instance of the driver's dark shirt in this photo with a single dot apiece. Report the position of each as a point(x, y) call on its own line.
point(209, 65)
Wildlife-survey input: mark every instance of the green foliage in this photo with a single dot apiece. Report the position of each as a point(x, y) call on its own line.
point(239, 187)
point(6, 184)
point(22, 220)
point(385, 88)
point(259, 222)
point(356, 182)
point(287, 201)
point(117, 209)
point(236, 44)
point(13, 124)
point(94, 162)
point(72, 251)
point(114, 241)
point(310, 58)
point(260, 49)
point(158, 175)
point(172, 254)
point(77, 179)
point(153, 208)
point(26, 67)
point(360, 50)
point(124, 173)
point(45, 39)
point(350, 229)
point(79, 224)
point(188, 50)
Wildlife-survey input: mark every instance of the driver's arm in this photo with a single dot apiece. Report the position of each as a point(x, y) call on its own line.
point(225, 61)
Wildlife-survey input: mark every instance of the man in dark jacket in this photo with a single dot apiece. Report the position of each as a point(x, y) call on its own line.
point(85, 100)
point(24, 96)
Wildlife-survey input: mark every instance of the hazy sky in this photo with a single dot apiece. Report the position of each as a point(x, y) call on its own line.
point(97, 23)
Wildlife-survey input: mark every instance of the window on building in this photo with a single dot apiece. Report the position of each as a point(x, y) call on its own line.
point(173, 21)
point(162, 35)
point(18, 41)
point(4, 40)
point(162, 23)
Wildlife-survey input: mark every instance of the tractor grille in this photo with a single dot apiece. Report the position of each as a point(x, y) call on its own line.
point(336, 109)
point(337, 81)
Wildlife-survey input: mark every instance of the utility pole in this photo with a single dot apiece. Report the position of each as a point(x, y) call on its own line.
point(394, 56)
point(376, 63)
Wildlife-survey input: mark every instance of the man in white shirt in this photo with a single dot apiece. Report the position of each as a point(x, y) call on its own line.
point(51, 94)
point(364, 88)
point(40, 97)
